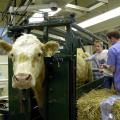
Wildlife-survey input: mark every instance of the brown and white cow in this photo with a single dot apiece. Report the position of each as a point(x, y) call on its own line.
point(28, 54)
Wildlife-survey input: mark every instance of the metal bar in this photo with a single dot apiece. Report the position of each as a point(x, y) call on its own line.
point(12, 11)
point(3, 80)
point(3, 97)
point(58, 32)
point(3, 86)
point(50, 23)
point(96, 6)
point(76, 2)
point(104, 1)
point(22, 2)
point(54, 31)
point(62, 33)
point(85, 38)
point(3, 63)
point(81, 45)
point(49, 38)
point(34, 7)
point(87, 32)
point(22, 19)
point(7, 13)
point(77, 7)
point(82, 89)
point(45, 29)
point(6, 9)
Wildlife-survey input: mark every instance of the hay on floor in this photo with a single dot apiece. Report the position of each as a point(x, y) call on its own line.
point(88, 106)
point(116, 109)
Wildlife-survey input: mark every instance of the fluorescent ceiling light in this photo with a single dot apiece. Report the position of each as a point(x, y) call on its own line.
point(100, 18)
point(39, 15)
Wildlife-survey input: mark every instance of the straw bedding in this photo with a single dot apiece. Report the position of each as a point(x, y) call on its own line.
point(88, 106)
point(116, 109)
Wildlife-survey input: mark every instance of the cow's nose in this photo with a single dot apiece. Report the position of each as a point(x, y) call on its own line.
point(22, 77)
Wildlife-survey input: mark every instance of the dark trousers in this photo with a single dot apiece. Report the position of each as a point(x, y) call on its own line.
point(107, 83)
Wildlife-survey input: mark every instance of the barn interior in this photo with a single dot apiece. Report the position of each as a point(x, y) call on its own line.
point(61, 21)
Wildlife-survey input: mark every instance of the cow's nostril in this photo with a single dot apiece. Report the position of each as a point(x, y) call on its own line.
point(15, 78)
point(28, 77)
point(22, 77)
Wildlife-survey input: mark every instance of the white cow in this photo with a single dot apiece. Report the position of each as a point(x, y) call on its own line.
point(28, 54)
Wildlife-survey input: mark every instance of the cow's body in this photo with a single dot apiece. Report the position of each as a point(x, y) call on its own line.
point(84, 70)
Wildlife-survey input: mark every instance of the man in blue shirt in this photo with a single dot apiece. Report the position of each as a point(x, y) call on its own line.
point(114, 56)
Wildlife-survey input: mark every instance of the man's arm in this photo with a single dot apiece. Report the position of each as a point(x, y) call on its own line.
point(112, 68)
point(111, 60)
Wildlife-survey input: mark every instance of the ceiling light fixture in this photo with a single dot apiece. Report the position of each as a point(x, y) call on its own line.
point(100, 18)
point(39, 15)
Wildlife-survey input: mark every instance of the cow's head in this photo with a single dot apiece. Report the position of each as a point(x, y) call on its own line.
point(27, 54)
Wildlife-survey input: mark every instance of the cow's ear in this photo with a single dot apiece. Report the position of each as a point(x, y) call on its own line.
point(5, 46)
point(50, 48)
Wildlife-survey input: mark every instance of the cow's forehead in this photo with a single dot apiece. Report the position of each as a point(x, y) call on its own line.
point(27, 44)
point(28, 49)
point(26, 39)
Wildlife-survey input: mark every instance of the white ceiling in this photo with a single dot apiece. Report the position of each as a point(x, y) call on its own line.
point(82, 10)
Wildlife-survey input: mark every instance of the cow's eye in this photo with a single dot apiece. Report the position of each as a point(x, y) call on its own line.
point(12, 55)
point(39, 54)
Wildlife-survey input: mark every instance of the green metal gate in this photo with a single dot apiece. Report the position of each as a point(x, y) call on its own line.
point(60, 92)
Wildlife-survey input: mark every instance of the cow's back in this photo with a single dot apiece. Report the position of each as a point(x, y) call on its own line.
point(84, 70)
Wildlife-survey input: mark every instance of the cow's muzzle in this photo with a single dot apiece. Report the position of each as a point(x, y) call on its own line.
point(22, 77)
point(22, 80)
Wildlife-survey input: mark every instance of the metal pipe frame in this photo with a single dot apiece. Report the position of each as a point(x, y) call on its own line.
point(49, 23)
point(50, 38)
point(87, 32)
point(55, 22)
point(59, 32)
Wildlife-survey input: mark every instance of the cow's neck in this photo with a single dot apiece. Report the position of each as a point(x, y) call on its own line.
point(38, 89)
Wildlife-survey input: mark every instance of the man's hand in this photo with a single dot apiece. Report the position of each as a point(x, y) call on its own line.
point(105, 66)
point(101, 68)
point(110, 68)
